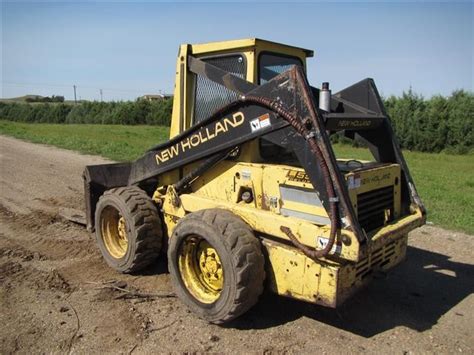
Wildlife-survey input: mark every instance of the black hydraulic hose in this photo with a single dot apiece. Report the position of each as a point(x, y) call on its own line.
point(301, 129)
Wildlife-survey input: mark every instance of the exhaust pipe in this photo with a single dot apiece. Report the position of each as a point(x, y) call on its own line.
point(325, 97)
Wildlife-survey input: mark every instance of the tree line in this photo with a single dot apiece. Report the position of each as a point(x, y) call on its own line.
point(45, 99)
point(140, 112)
point(440, 123)
point(428, 125)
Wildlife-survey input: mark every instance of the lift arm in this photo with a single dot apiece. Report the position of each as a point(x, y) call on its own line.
point(284, 110)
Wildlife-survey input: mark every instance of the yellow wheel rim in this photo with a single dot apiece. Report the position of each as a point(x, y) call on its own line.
point(114, 232)
point(201, 269)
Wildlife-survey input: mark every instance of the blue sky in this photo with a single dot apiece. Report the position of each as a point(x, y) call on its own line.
point(129, 48)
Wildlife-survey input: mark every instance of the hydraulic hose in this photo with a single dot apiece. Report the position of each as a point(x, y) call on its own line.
point(310, 137)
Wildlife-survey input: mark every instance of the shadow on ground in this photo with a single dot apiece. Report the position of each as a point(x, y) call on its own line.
point(415, 295)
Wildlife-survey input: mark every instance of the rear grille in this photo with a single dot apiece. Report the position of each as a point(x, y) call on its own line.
point(377, 260)
point(372, 206)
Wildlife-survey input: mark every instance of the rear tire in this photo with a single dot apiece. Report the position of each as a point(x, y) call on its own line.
point(216, 264)
point(128, 229)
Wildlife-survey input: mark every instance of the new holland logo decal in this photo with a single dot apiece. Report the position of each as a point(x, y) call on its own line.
point(201, 136)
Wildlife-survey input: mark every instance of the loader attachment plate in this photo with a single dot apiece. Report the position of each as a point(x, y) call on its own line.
point(98, 179)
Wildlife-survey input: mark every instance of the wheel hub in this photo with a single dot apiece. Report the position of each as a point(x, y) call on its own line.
point(211, 267)
point(114, 232)
point(201, 270)
point(122, 231)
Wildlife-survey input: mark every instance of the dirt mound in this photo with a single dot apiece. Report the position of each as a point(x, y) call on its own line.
point(13, 272)
point(21, 253)
point(54, 280)
point(9, 269)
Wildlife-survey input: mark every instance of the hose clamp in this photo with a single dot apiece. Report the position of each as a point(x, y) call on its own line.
point(311, 134)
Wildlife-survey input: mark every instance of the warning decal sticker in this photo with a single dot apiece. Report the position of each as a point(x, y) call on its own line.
point(336, 248)
point(260, 122)
point(353, 182)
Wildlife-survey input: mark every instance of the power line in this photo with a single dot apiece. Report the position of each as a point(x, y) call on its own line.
point(77, 86)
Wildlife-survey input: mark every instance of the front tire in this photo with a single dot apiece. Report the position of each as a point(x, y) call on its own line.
point(128, 229)
point(216, 265)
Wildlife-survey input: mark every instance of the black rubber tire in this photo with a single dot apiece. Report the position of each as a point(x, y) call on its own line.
point(144, 229)
point(240, 253)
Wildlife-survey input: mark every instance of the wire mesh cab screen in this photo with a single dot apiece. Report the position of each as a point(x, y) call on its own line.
point(210, 96)
point(272, 64)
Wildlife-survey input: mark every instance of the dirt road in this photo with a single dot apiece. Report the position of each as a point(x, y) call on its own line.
point(52, 295)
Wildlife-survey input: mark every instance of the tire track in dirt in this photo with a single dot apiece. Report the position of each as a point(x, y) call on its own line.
point(47, 233)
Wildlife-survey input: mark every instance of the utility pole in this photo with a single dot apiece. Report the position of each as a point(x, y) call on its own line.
point(100, 95)
point(75, 100)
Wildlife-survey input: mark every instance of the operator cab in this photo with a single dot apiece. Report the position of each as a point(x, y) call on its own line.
point(255, 60)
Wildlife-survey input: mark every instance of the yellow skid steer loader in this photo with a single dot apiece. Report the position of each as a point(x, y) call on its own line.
point(248, 193)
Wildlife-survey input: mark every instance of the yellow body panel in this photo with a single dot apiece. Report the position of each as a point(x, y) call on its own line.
point(247, 43)
point(290, 273)
point(181, 90)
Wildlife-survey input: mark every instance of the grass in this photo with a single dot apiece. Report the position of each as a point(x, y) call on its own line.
point(116, 142)
point(445, 182)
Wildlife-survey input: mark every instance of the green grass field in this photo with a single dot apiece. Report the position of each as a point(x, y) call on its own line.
point(445, 182)
point(111, 141)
